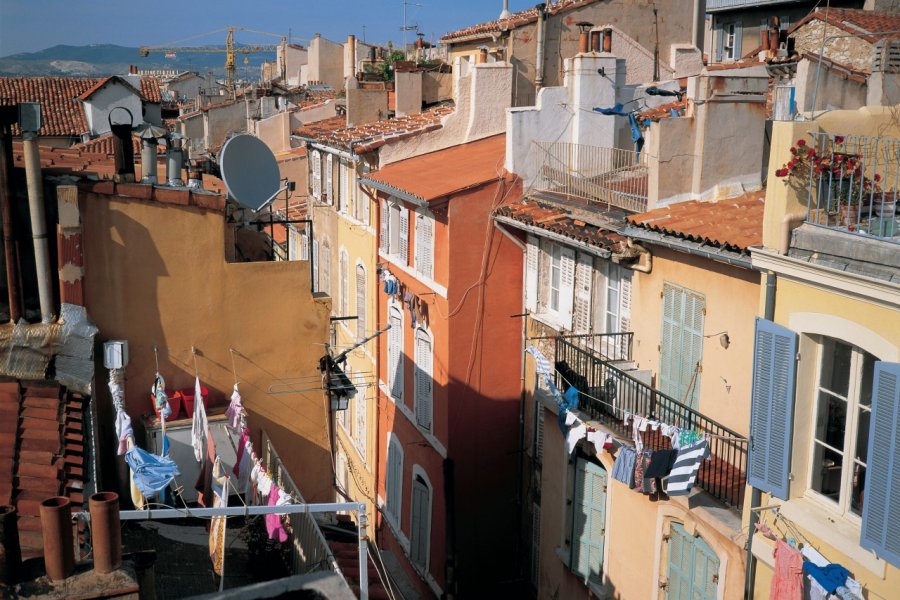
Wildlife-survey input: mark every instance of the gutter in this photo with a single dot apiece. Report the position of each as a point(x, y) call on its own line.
point(388, 189)
point(731, 258)
point(539, 231)
point(318, 146)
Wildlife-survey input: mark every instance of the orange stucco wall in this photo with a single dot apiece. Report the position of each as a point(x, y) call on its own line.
point(156, 275)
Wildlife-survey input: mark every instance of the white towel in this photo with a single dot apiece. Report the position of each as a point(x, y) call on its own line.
point(576, 433)
point(199, 424)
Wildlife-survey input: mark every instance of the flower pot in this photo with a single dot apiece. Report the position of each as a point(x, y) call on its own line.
point(188, 395)
point(174, 404)
point(849, 215)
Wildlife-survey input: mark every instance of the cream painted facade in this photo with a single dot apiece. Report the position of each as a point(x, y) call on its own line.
point(819, 304)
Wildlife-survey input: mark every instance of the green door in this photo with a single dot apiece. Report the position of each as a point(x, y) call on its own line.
point(693, 570)
point(588, 520)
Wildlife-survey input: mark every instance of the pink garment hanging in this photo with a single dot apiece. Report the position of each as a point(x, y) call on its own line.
point(273, 522)
point(240, 452)
point(787, 583)
point(235, 410)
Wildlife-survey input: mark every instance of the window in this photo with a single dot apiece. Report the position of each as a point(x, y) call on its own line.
point(315, 259)
point(612, 307)
point(329, 183)
point(728, 41)
point(425, 244)
point(556, 283)
point(361, 200)
point(360, 302)
point(841, 426)
point(581, 313)
point(344, 291)
point(394, 478)
point(395, 231)
point(681, 344)
point(360, 413)
point(588, 520)
point(692, 569)
point(315, 159)
point(343, 187)
point(555, 275)
point(325, 269)
point(420, 521)
point(343, 477)
point(423, 380)
point(395, 352)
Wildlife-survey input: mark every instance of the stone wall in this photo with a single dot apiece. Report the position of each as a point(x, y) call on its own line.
point(851, 52)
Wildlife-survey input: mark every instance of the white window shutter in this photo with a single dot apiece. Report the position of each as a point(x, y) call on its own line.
point(315, 261)
point(325, 269)
point(567, 286)
point(543, 296)
point(394, 478)
point(424, 249)
point(625, 302)
point(359, 426)
point(361, 325)
point(329, 173)
point(395, 353)
point(538, 431)
point(385, 226)
point(532, 257)
point(403, 250)
point(344, 293)
point(304, 245)
point(582, 311)
point(316, 160)
point(424, 382)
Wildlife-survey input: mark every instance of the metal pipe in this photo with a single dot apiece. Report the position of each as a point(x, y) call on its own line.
point(38, 223)
point(363, 554)
point(148, 161)
point(539, 59)
point(8, 116)
point(10, 552)
point(150, 514)
point(56, 530)
point(174, 160)
point(106, 531)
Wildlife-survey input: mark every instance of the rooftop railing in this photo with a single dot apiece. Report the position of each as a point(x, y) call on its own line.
point(610, 177)
point(609, 392)
point(854, 183)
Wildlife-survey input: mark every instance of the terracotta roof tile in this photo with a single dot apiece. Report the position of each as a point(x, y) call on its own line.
point(558, 220)
point(856, 21)
point(319, 130)
point(62, 113)
point(438, 174)
point(515, 20)
point(734, 224)
point(664, 111)
point(150, 89)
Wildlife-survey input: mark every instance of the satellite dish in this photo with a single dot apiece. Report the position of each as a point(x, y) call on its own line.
point(249, 171)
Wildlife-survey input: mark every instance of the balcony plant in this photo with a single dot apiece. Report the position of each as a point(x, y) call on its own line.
point(837, 175)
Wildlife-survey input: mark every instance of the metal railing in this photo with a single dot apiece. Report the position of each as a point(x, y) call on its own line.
point(609, 176)
point(854, 183)
point(309, 549)
point(609, 392)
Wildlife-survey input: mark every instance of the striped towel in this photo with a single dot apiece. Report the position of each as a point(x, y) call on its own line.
point(684, 472)
point(544, 370)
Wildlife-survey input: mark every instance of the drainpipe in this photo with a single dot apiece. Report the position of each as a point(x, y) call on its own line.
point(106, 531)
point(756, 494)
point(539, 60)
point(30, 123)
point(645, 262)
point(10, 552)
point(56, 530)
point(788, 223)
point(8, 116)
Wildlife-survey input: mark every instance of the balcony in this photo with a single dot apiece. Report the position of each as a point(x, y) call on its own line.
point(605, 177)
point(611, 392)
point(853, 184)
point(718, 5)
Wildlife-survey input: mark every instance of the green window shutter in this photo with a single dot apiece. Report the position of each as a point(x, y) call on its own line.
point(881, 509)
point(588, 520)
point(772, 408)
point(667, 376)
point(720, 42)
point(693, 567)
point(681, 343)
point(692, 348)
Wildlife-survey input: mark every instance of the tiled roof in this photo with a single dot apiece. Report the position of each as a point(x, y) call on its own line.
point(664, 111)
point(370, 136)
point(557, 220)
point(735, 224)
point(515, 20)
point(438, 174)
point(150, 89)
point(62, 113)
point(319, 130)
point(102, 82)
point(104, 145)
point(42, 452)
point(856, 21)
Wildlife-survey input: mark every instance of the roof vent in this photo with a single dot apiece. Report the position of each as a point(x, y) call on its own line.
point(886, 56)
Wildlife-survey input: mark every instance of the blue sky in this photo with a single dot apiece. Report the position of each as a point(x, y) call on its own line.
point(29, 25)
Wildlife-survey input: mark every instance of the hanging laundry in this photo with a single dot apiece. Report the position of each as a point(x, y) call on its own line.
point(199, 424)
point(412, 303)
point(636, 434)
point(203, 485)
point(235, 410)
point(152, 474)
point(787, 582)
point(273, 522)
point(245, 434)
point(830, 577)
point(422, 312)
point(599, 439)
point(245, 465)
point(117, 388)
point(642, 483)
point(623, 468)
point(570, 398)
point(576, 433)
point(661, 463)
point(123, 431)
point(217, 526)
point(684, 472)
point(160, 397)
point(253, 495)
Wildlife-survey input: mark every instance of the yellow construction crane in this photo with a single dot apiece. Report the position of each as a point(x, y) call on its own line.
point(229, 50)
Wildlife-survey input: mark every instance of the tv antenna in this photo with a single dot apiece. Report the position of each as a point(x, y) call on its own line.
point(406, 27)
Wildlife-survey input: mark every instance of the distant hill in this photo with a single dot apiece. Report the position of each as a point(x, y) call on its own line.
point(109, 59)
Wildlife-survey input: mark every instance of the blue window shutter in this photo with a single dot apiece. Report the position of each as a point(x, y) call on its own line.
point(589, 520)
point(738, 38)
point(678, 585)
point(881, 508)
point(772, 408)
point(719, 43)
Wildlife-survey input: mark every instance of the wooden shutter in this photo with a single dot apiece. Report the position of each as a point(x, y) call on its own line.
point(395, 478)
point(772, 408)
point(344, 292)
point(385, 227)
point(538, 430)
point(535, 544)
point(315, 261)
point(403, 249)
point(625, 302)
point(667, 377)
point(395, 354)
point(325, 269)
point(694, 307)
point(544, 262)
point(424, 245)
point(316, 163)
point(881, 509)
point(329, 178)
point(582, 310)
point(304, 245)
point(566, 286)
point(738, 38)
point(420, 519)
point(719, 33)
point(693, 567)
point(588, 520)
point(532, 257)
point(424, 387)
point(359, 426)
point(361, 324)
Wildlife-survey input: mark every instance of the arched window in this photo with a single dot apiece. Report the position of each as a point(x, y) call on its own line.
point(394, 481)
point(395, 352)
point(420, 520)
point(360, 302)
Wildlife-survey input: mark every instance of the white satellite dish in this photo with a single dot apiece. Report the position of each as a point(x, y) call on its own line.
point(249, 171)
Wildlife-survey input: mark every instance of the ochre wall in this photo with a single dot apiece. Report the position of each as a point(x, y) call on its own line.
point(156, 275)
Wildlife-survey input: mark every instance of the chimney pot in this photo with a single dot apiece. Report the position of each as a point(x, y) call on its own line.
point(106, 531)
point(595, 41)
point(584, 37)
point(607, 39)
point(56, 531)
point(10, 551)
